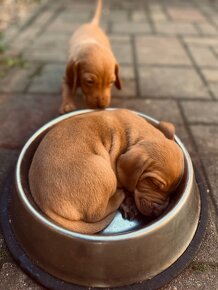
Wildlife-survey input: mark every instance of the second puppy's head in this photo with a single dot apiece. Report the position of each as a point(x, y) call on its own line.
point(152, 169)
point(95, 72)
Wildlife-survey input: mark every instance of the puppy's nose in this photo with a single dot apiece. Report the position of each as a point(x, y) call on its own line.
point(102, 103)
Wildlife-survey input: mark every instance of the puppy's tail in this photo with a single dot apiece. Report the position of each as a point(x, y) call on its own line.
point(80, 226)
point(97, 15)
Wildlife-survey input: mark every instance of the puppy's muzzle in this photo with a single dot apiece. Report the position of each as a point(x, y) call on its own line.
point(98, 102)
point(152, 209)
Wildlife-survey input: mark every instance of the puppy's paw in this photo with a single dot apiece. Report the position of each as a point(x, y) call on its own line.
point(66, 108)
point(128, 208)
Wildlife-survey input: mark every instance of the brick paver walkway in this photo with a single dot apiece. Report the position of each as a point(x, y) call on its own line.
point(168, 52)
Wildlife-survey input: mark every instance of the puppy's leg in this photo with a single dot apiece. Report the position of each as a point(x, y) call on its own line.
point(67, 99)
point(115, 201)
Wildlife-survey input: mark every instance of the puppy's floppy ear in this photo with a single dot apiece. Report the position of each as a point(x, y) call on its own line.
point(130, 167)
point(71, 75)
point(168, 129)
point(117, 81)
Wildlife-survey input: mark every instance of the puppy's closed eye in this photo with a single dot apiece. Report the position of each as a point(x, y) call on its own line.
point(89, 82)
point(157, 183)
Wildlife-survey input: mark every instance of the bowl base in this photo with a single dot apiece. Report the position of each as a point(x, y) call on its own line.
point(53, 283)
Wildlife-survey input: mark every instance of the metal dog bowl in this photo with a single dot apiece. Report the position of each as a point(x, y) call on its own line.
point(125, 252)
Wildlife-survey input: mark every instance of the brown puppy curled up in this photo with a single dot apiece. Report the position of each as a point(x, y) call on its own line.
point(91, 66)
point(83, 165)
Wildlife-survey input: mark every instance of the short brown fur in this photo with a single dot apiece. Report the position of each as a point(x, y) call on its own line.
point(91, 66)
point(83, 165)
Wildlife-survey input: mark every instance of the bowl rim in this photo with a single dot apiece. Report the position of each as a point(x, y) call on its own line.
point(101, 238)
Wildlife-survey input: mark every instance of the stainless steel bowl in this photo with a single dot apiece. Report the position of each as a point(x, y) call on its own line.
point(125, 252)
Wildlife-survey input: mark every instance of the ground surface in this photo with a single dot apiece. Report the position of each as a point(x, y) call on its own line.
point(168, 52)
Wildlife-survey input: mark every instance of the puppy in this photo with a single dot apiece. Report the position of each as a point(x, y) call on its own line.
point(83, 165)
point(91, 66)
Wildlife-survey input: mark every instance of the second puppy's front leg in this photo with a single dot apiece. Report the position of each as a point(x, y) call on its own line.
point(67, 104)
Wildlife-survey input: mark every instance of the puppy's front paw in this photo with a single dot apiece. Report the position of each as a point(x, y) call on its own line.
point(128, 208)
point(66, 108)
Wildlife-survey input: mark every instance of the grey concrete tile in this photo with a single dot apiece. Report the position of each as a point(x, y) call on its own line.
point(128, 80)
point(131, 27)
point(207, 29)
point(214, 89)
point(50, 46)
point(211, 166)
point(206, 138)
point(21, 115)
point(196, 276)
point(160, 50)
point(202, 112)
point(185, 14)
point(211, 75)
point(123, 52)
point(208, 251)
point(49, 80)
point(201, 41)
point(164, 110)
point(171, 82)
point(203, 56)
point(12, 278)
point(170, 28)
point(138, 16)
point(17, 79)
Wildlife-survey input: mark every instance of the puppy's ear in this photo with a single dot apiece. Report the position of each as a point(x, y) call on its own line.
point(71, 75)
point(168, 129)
point(117, 81)
point(130, 167)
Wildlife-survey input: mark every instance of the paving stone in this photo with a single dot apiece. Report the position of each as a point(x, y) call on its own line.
point(208, 251)
point(127, 76)
point(50, 46)
point(131, 27)
point(25, 38)
point(49, 80)
point(203, 56)
point(116, 15)
point(211, 166)
point(201, 112)
point(214, 89)
point(138, 16)
point(171, 82)
point(176, 28)
point(164, 110)
point(211, 75)
point(75, 15)
point(18, 79)
point(44, 18)
point(123, 52)
point(60, 26)
point(186, 15)
point(206, 28)
point(201, 41)
point(196, 276)
point(12, 278)
point(124, 39)
point(21, 115)
point(160, 50)
point(158, 16)
point(205, 138)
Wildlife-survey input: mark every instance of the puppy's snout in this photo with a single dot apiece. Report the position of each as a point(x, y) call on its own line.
point(99, 101)
point(159, 208)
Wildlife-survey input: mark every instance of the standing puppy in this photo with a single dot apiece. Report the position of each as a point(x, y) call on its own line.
point(91, 66)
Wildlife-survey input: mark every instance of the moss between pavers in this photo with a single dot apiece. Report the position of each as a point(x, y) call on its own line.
point(203, 267)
